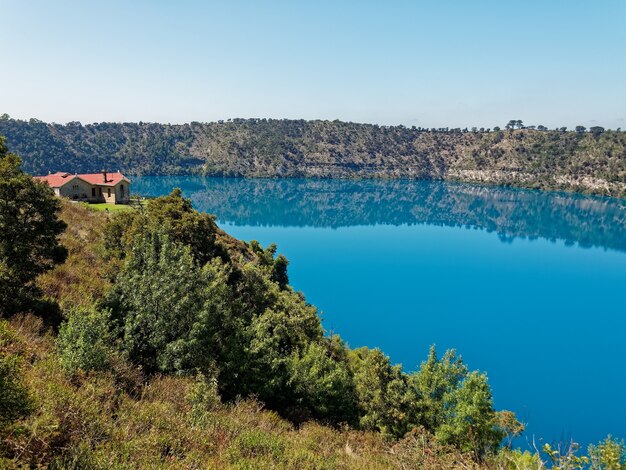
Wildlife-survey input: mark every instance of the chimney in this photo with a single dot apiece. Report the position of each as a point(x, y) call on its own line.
point(104, 176)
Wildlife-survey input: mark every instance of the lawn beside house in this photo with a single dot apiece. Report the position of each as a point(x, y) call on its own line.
point(103, 206)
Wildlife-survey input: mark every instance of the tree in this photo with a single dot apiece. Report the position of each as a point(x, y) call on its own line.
point(161, 303)
point(507, 422)
point(596, 130)
point(580, 129)
point(279, 271)
point(469, 420)
point(286, 327)
point(436, 378)
point(322, 384)
point(456, 405)
point(29, 230)
point(172, 214)
point(385, 400)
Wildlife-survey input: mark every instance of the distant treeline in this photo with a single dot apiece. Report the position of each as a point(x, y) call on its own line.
point(586, 160)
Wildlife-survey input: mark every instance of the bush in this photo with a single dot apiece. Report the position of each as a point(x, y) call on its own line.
point(609, 454)
point(204, 398)
point(14, 400)
point(323, 385)
point(255, 444)
point(85, 343)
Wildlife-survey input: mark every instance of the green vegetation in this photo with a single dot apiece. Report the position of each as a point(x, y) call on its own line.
point(107, 207)
point(181, 347)
point(28, 233)
point(592, 161)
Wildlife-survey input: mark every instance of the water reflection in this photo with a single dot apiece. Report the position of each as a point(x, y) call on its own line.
point(511, 213)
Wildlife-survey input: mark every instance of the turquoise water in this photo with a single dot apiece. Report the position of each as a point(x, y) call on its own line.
point(528, 286)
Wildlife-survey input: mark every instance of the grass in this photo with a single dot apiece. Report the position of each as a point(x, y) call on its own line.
point(103, 206)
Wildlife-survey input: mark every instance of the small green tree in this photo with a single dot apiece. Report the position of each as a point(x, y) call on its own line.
point(322, 384)
point(436, 379)
point(279, 271)
point(469, 420)
point(29, 230)
point(283, 329)
point(597, 131)
point(386, 402)
point(159, 301)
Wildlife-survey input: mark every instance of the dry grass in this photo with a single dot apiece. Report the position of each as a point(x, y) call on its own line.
point(83, 277)
point(90, 421)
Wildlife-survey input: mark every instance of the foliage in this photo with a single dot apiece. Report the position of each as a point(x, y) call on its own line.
point(565, 459)
point(159, 302)
point(322, 384)
point(29, 230)
point(85, 343)
point(220, 336)
point(530, 156)
point(385, 401)
point(435, 381)
point(84, 277)
point(507, 423)
point(15, 402)
point(174, 216)
point(609, 454)
point(469, 417)
point(204, 398)
point(457, 404)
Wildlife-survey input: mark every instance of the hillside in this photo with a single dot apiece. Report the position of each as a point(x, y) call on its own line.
point(150, 338)
point(79, 400)
point(591, 162)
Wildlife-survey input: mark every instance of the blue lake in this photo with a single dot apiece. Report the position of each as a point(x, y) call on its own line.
point(528, 286)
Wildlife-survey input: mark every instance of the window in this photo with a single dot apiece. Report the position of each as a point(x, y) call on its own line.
point(93, 192)
point(100, 191)
point(109, 191)
point(122, 190)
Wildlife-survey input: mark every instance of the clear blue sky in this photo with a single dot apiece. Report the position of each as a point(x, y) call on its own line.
point(436, 63)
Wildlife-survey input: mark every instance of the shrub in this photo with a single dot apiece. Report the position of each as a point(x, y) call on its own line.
point(254, 444)
point(85, 343)
point(14, 400)
point(323, 384)
point(610, 454)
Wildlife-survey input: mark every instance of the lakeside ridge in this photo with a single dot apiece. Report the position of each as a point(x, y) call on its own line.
point(588, 161)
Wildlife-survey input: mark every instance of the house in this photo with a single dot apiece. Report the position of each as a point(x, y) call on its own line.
point(113, 188)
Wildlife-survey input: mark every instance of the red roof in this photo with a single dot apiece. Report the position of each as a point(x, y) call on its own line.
point(56, 180)
point(60, 178)
point(98, 178)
